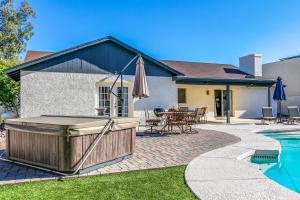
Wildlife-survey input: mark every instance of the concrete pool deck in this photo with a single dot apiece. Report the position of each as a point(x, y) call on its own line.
point(223, 174)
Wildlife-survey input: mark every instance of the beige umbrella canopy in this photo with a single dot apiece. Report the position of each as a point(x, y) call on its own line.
point(140, 88)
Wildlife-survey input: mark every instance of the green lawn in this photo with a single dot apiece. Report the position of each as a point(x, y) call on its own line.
point(160, 184)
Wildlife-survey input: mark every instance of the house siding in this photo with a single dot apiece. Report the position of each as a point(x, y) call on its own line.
point(289, 71)
point(52, 93)
point(247, 101)
point(163, 94)
point(106, 56)
point(66, 85)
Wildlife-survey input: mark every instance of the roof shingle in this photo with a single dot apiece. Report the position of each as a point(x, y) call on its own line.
point(32, 55)
point(205, 70)
point(195, 69)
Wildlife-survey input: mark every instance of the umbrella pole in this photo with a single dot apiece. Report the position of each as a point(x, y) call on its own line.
point(279, 111)
point(120, 75)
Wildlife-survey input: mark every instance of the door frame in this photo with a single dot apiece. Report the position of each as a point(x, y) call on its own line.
point(113, 99)
point(222, 104)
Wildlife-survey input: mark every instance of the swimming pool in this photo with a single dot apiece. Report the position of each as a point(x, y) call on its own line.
point(287, 170)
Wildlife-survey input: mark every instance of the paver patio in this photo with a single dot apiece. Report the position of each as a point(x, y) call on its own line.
point(152, 151)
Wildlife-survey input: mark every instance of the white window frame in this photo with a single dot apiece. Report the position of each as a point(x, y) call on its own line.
point(104, 100)
point(114, 99)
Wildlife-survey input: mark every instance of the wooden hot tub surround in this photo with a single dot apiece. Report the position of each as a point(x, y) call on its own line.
point(61, 147)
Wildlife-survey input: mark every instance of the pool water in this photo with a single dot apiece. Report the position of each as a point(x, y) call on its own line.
point(287, 170)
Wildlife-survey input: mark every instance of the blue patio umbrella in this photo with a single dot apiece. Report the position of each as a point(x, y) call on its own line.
point(279, 94)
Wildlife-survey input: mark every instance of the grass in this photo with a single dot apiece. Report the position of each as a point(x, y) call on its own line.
point(167, 183)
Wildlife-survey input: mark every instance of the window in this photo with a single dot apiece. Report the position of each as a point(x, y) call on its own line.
point(123, 102)
point(117, 104)
point(181, 92)
point(104, 99)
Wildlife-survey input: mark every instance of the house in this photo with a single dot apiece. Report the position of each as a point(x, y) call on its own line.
point(288, 69)
point(76, 81)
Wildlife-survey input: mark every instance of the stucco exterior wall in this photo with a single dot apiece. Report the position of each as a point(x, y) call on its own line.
point(289, 71)
point(247, 101)
point(163, 94)
point(53, 93)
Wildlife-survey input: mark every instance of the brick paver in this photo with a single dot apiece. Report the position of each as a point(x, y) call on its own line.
point(151, 152)
point(170, 150)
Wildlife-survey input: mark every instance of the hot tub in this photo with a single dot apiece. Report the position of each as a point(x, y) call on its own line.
point(60, 143)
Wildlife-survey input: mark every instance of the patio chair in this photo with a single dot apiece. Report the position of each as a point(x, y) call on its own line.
point(293, 114)
point(201, 114)
point(177, 119)
point(151, 122)
point(267, 113)
point(192, 119)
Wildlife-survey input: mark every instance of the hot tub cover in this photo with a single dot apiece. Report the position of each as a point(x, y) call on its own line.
point(69, 125)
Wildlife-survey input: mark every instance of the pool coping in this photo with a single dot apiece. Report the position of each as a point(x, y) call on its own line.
point(225, 173)
point(276, 130)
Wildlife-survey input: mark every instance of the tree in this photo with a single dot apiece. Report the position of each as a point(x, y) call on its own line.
point(15, 28)
point(9, 89)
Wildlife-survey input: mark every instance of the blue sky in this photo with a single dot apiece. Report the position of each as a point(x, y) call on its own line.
point(194, 30)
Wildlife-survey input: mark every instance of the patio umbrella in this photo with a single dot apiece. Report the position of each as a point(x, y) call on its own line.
point(279, 94)
point(140, 88)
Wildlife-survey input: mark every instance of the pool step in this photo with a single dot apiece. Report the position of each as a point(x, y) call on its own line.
point(265, 156)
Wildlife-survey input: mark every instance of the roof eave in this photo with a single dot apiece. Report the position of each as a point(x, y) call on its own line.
point(224, 81)
point(54, 55)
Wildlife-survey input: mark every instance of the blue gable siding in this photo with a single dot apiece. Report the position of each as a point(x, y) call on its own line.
point(100, 58)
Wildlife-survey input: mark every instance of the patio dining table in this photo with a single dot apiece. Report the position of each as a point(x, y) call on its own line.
point(176, 118)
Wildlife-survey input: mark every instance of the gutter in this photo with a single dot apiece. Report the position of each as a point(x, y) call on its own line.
point(223, 81)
